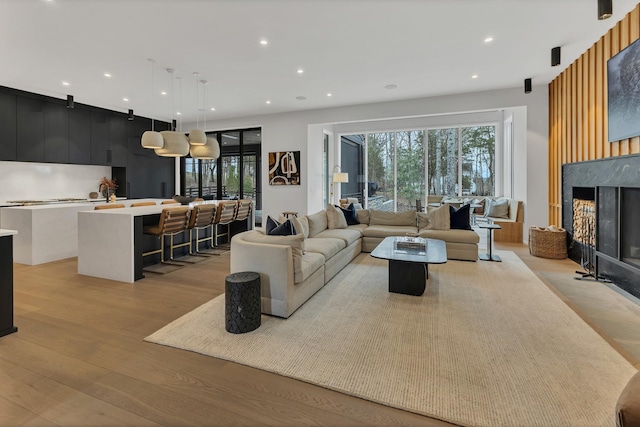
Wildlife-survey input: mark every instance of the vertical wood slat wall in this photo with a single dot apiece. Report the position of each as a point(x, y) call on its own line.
point(578, 110)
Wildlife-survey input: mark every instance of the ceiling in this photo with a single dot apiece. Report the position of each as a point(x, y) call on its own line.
point(352, 49)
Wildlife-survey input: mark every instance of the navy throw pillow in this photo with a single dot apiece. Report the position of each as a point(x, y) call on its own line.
point(271, 224)
point(350, 215)
point(459, 218)
point(275, 229)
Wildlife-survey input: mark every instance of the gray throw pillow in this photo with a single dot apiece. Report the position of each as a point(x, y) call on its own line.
point(498, 208)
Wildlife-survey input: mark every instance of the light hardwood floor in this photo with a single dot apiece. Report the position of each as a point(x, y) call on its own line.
point(79, 359)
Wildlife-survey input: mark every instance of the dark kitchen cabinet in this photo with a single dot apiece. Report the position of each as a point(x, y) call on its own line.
point(79, 136)
point(163, 174)
point(30, 129)
point(56, 133)
point(99, 137)
point(8, 115)
point(117, 140)
point(140, 176)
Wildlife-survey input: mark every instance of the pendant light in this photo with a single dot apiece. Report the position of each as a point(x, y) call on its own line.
point(197, 136)
point(151, 138)
point(176, 144)
point(211, 149)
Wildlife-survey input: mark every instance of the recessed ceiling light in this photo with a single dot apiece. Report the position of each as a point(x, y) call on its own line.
point(268, 102)
point(125, 99)
point(301, 98)
point(179, 113)
point(391, 87)
point(488, 39)
point(263, 42)
point(329, 94)
point(213, 109)
point(300, 71)
point(163, 93)
point(475, 76)
point(65, 84)
point(107, 75)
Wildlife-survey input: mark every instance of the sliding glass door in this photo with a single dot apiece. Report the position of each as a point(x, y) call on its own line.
point(234, 175)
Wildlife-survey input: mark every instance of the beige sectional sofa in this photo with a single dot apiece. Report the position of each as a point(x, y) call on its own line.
point(293, 268)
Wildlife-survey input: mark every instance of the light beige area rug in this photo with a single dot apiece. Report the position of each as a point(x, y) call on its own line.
point(488, 344)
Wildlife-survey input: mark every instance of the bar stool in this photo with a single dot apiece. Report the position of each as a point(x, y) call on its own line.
point(225, 215)
point(172, 221)
point(170, 202)
point(137, 204)
point(109, 206)
point(244, 210)
point(201, 217)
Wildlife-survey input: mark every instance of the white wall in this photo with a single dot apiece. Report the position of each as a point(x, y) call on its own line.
point(38, 181)
point(303, 131)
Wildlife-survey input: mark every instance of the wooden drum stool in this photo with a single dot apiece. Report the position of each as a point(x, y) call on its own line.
point(242, 302)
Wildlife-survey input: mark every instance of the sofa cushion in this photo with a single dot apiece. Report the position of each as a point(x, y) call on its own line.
point(348, 235)
point(459, 218)
point(498, 208)
point(328, 247)
point(388, 230)
point(363, 215)
point(358, 227)
point(350, 214)
point(296, 242)
point(317, 222)
point(311, 262)
point(451, 236)
point(423, 219)
point(335, 218)
point(392, 218)
point(301, 225)
point(628, 404)
point(438, 218)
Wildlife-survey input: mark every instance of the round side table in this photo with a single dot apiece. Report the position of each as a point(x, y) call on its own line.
point(242, 302)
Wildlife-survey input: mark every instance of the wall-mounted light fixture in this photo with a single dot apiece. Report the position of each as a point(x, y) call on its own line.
point(70, 103)
point(605, 9)
point(130, 116)
point(527, 85)
point(555, 56)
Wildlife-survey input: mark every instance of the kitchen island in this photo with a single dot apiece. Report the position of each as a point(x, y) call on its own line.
point(47, 232)
point(110, 242)
point(6, 282)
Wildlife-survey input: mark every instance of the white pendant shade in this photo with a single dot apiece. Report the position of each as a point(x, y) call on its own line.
point(176, 144)
point(197, 137)
point(151, 139)
point(209, 151)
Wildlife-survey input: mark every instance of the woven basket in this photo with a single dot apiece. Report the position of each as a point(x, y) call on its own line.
point(547, 243)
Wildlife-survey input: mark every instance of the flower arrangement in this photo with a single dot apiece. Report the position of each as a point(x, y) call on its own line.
point(107, 185)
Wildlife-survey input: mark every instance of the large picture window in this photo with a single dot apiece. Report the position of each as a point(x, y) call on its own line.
point(403, 167)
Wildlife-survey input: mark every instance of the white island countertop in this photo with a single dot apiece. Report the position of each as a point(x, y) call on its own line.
point(47, 232)
point(4, 233)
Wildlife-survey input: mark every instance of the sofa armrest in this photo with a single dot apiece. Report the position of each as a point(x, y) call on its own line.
point(273, 262)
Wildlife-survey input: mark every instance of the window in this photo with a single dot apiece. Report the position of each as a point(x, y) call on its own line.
point(235, 175)
point(404, 166)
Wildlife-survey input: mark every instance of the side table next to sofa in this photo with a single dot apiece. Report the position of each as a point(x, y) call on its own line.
point(489, 256)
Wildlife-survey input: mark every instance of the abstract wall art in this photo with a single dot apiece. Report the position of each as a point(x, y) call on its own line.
point(284, 168)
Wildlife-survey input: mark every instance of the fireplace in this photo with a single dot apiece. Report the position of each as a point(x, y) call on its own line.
point(601, 211)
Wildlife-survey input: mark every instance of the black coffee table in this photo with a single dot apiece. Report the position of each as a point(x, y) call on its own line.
point(409, 268)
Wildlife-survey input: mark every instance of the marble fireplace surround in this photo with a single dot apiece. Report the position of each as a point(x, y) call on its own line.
point(583, 178)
